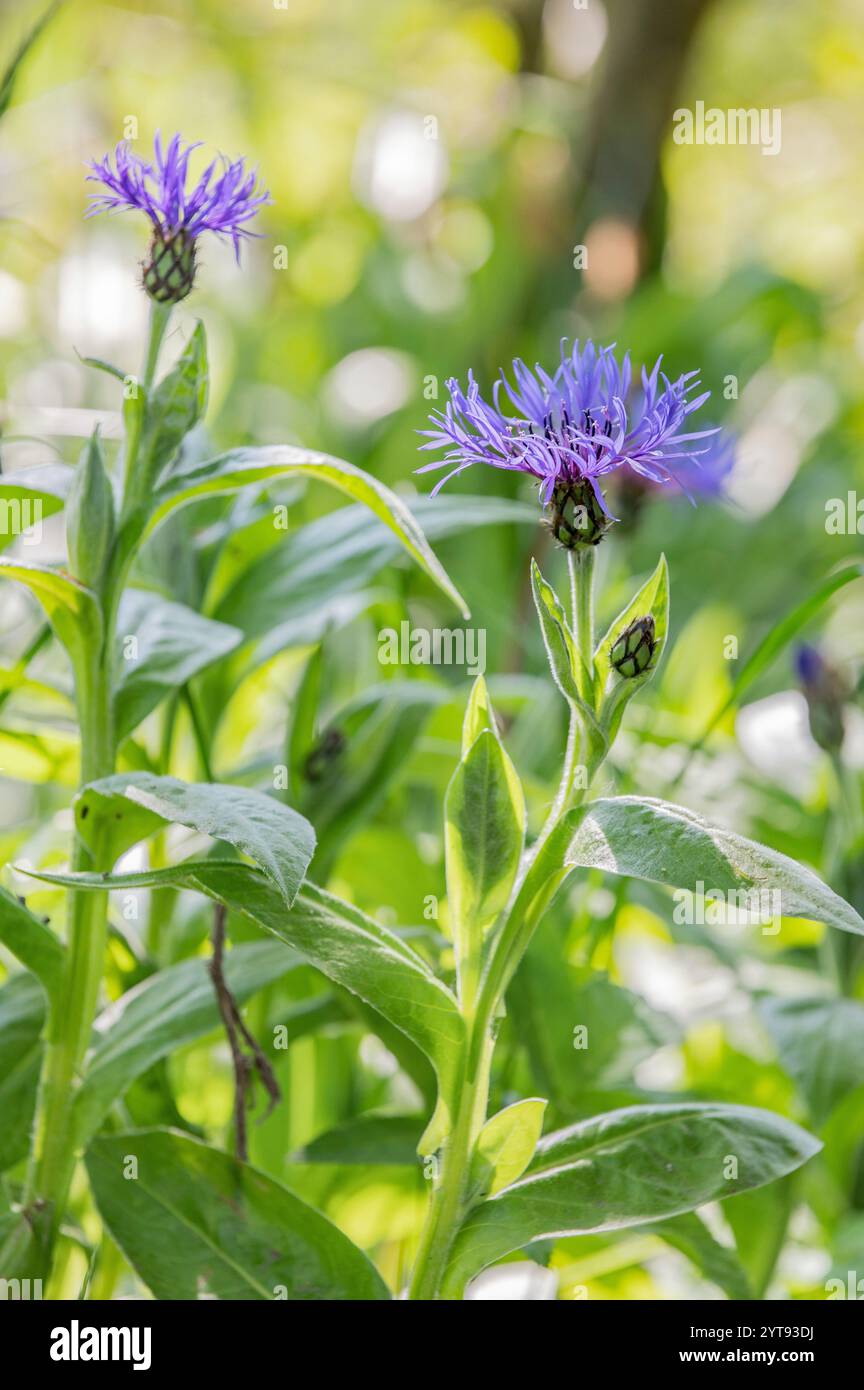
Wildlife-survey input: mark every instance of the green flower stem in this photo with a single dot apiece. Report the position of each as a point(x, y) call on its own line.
point(71, 1020)
point(581, 566)
point(449, 1202)
point(532, 893)
point(159, 316)
point(134, 485)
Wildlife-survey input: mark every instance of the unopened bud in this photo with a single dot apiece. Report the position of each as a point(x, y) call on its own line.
point(576, 517)
point(170, 273)
point(826, 694)
point(632, 652)
point(90, 515)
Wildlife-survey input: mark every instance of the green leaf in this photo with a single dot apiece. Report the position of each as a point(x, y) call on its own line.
point(820, 1043)
point(365, 746)
point(759, 1222)
point(349, 948)
point(565, 661)
point(242, 467)
point(32, 942)
point(369, 1139)
point(484, 832)
point(132, 805)
point(642, 837)
point(10, 74)
point(302, 584)
point(626, 1168)
point(100, 365)
point(22, 1016)
point(165, 1012)
point(90, 515)
point(72, 610)
point(175, 406)
point(174, 643)
point(779, 637)
point(505, 1146)
point(303, 720)
point(479, 716)
point(197, 1223)
point(689, 1234)
point(614, 691)
point(27, 498)
point(582, 1032)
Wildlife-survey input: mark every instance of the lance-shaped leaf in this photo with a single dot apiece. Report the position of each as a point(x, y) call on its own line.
point(172, 644)
point(479, 716)
point(242, 467)
point(195, 1223)
point(484, 831)
point(175, 406)
point(315, 568)
point(642, 837)
point(22, 1015)
point(32, 942)
point(613, 690)
point(625, 1168)
point(351, 949)
point(779, 636)
point(166, 1011)
point(820, 1043)
point(565, 660)
point(130, 806)
point(72, 610)
point(688, 1234)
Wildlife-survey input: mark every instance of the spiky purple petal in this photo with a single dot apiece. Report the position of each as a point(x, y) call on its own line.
point(225, 198)
point(581, 424)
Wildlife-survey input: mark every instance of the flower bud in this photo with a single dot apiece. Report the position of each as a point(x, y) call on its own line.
point(631, 654)
point(170, 273)
point(577, 519)
point(90, 515)
point(826, 694)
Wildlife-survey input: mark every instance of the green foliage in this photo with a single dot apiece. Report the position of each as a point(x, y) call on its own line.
point(196, 1221)
point(627, 1167)
point(446, 923)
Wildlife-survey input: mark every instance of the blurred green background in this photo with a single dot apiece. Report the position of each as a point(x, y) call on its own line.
point(435, 168)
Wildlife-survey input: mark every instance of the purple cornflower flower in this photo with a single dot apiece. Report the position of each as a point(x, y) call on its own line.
point(224, 200)
point(578, 426)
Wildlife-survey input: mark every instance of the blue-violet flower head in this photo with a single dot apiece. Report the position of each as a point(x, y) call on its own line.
point(223, 201)
point(577, 426)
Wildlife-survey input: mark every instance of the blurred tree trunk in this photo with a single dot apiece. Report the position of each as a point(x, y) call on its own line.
point(637, 85)
point(644, 64)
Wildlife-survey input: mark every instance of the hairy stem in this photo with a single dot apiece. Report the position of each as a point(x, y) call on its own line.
point(449, 1202)
point(580, 565)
